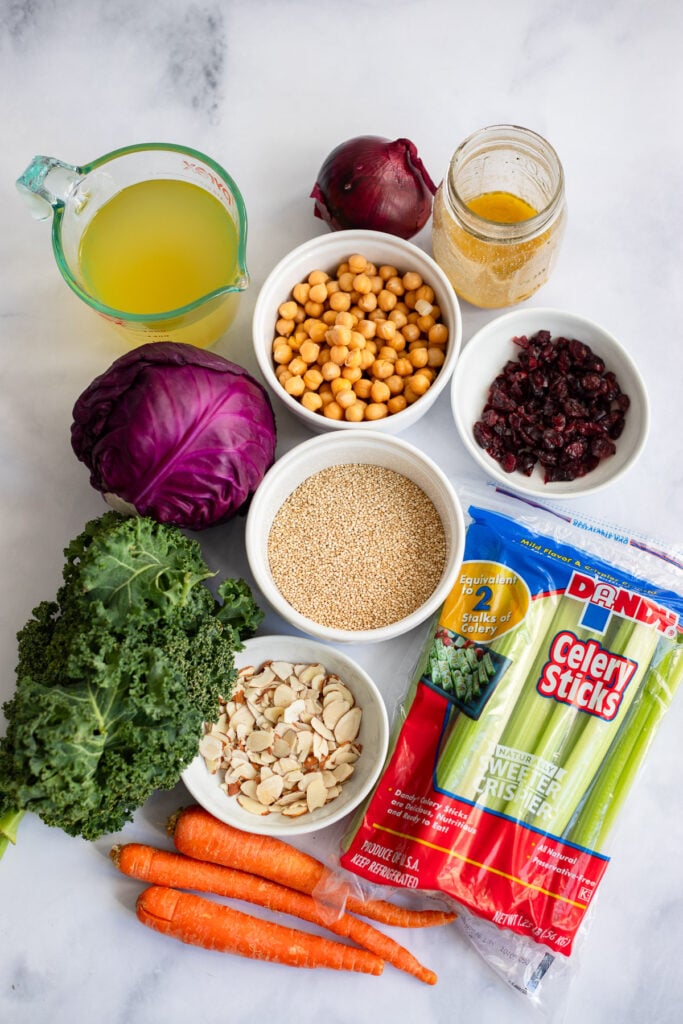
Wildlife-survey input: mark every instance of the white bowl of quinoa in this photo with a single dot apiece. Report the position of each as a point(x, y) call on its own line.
point(337, 366)
point(355, 538)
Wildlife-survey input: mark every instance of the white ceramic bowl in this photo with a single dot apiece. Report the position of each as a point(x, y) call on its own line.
point(484, 356)
point(326, 252)
point(374, 737)
point(334, 449)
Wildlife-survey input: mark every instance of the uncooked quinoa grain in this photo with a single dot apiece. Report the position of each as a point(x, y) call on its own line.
point(357, 547)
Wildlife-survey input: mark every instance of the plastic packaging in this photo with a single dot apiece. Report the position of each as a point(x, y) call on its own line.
point(531, 709)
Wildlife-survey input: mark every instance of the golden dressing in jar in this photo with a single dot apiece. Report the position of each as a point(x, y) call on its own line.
point(499, 216)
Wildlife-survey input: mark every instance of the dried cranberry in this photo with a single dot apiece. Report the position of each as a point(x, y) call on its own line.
point(556, 405)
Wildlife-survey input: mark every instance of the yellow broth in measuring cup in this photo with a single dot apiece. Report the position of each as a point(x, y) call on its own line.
point(152, 237)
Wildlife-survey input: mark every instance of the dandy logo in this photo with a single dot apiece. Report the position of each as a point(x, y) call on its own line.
point(586, 675)
point(603, 599)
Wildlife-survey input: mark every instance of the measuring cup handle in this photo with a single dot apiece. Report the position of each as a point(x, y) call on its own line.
point(46, 183)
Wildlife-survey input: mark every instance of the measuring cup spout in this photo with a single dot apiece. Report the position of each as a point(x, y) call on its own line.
point(46, 183)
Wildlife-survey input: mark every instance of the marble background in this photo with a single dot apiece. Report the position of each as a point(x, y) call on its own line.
point(269, 88)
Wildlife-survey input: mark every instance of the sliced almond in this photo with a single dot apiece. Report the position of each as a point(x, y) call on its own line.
point(282, 669)
point(316, 793)
point(253, 806)
point(269, 790)
point(259, 740)
point(333, 711)
point(348, 726)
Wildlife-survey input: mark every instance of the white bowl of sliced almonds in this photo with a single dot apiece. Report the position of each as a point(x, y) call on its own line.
point(299, 744)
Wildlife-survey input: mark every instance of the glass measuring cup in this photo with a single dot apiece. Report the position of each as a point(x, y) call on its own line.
point(74, 196)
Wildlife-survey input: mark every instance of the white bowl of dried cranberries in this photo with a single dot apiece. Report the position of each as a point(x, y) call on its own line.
point(549, 403)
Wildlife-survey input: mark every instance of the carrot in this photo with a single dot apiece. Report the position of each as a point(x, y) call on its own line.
point(178, 871)
point(201, 922)
point(198, 834)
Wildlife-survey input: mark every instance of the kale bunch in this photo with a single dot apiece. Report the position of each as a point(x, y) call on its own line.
point(116, 676)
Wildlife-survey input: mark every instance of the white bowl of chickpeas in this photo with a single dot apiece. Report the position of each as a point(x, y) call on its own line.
point(357, 329)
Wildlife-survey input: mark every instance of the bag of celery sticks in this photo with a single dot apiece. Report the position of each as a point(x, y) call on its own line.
point(530, 711)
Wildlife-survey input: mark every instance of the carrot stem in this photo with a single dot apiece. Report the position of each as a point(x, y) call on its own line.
point(162, 867)
point(201, 922)
point(198, 834)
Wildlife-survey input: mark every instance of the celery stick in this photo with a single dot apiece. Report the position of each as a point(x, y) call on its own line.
point(472, 742)
point(587, 755)
point(529, 711)
point(595, 818)
point(563, 723)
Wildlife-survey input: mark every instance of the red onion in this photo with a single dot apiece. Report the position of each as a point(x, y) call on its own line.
point(369, 182)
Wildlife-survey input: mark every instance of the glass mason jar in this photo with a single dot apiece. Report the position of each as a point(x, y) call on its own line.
point(499, 216)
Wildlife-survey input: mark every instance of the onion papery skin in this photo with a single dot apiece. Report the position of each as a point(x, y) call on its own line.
point(372, 183)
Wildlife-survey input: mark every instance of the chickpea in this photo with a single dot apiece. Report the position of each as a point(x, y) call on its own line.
point(352, 373)
point(333, 411)
point(340, 301)
point(382, 368)
point(367, 328)
point(425, 323)
point(411, 332)
point(376, 411)
point(436, 357)
point(367, 358)
point(331, 286)
point(355, 413)
point(368, 302)
point(339, 354)
point(300, 292)
point(315, 309)
point(329, 317)
point(317, 330)
point(330, 370)
point(312, 401)
point(298, 366)
point(295, 386)
point(362, 387)
point(284, 327)
point(411, 281)
point(398, 317)
point(425, 293)
point(346, 281)
point(386, 271)
point(338, 335)
point(357, 263)
point(403, 367)
point(386, 300)
point(386, 329)
point(346, 399)
point(317, 277)
point(379, 392)
point(394, 285)
point(353, 358)
point(282, 351)
point(361, 284)
point(418, 384)
point(387, 352)
point(288, 310)
point(309, 351)
point(418, 357)
point(397, 404)
point(343, 268)
point(357, 340)
point(438, 334)
point(313, 378)
point(395, 384)
point(318, 293)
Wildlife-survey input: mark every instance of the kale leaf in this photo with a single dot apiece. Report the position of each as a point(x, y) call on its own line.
point(116, 676)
